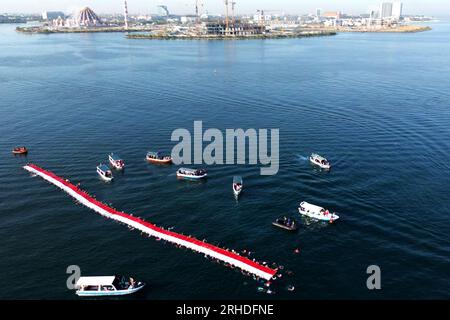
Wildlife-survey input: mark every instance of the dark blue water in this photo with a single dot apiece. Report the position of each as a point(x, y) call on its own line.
point(377, 105)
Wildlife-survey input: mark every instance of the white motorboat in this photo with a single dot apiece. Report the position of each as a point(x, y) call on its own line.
point(237, 185)
point(316, 212)
point(107, 286)
point(195, 174)
point(104, 172)
point(116, 161)
point(319, 161)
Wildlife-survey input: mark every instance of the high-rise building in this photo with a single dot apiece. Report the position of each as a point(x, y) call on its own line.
point(163, 11)
point(397, 9)
point(50, 15)
point(318, 12)
point(386, 10)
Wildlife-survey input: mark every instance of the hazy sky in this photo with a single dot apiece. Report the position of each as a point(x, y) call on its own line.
point(427, 7)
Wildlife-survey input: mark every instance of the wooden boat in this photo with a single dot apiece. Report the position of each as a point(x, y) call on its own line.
point(107, 286)
point(116, 161)
point(286, 223)
point(104, 172)
point(237, 185)
point(158, 157)
point(20, 150)
point(195, 174)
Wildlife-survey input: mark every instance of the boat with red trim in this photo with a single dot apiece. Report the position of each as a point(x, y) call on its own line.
point(158, 157)
point(116, 161)
point(237, 185)
point(20, 150)
point(316, 212)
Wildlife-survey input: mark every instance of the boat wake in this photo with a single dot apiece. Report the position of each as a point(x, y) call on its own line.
point(229, 257)
point(302, 158)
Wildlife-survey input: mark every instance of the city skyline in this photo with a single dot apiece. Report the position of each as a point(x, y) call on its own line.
point(434, 7)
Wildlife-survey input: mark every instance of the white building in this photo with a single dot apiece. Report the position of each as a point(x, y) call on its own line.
point(397, 9)
point(50, 15)
point(318, 12)
point(386, 10)
point(259, 18)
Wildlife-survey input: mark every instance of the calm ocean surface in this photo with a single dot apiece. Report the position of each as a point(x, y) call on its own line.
point(377, 105)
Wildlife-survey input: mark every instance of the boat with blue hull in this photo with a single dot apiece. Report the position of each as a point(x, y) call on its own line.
point(107, 286)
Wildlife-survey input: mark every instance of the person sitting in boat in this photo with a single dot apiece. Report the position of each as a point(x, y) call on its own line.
point(132, 283)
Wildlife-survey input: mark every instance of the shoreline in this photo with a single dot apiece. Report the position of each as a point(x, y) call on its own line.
point(399, 29)
point(143, 33)
point(315, 33)
point(43, 30)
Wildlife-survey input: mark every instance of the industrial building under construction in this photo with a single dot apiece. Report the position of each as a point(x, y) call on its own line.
point(221, 28)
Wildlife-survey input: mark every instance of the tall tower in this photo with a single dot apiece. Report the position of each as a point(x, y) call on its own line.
point(233, 17)
point(125, 9)
point(197, 18)
point(227, 23)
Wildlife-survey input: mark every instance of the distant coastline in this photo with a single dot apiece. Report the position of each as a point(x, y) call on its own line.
point(46, 30)
point(303, 34)
point(399, 29)
point(144, 33)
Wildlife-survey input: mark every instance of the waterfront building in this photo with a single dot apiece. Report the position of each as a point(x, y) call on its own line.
point(397, 8)
point(163, 11)
point(238, 29)
point(332, 14)
point(386, 10)
point(85, 17)
point(51, 15)
point(318, 12)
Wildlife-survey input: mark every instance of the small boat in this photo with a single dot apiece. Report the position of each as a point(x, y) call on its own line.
point(320, 161)
point(20, 150)
point(116, 161)
point(195, 174)
point(104, 172)
point(237, 185)
point(158, 157)
point(107, 286)
point(286, 223)
point(316, 212)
